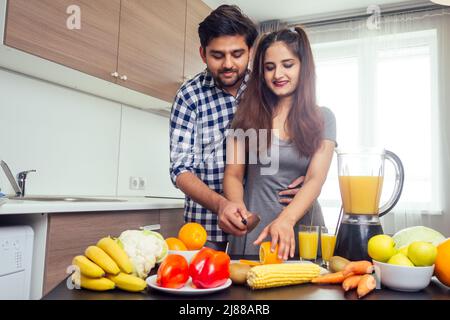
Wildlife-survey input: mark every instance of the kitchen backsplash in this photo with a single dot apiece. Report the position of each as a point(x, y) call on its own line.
point(80, 144)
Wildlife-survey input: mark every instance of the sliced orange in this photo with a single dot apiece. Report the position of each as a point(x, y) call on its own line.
point(251, 263)
point(175, 244)
point(266, 256)
point(193, 235)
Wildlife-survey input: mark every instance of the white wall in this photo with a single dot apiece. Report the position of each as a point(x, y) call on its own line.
point(77, 142)
point(144, 152)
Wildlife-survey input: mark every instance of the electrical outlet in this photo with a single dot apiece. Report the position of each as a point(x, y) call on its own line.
point(134, 183)
point(142, 183)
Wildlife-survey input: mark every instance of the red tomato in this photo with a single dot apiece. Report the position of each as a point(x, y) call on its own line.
point(173, 272)
point(209, 268)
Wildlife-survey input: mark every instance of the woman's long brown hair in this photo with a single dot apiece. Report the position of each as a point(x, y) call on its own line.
point(256, 110)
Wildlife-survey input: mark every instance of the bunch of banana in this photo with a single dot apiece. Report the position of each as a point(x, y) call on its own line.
point(106, 266)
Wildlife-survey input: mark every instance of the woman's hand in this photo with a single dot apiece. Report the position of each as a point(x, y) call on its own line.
point(281, 231)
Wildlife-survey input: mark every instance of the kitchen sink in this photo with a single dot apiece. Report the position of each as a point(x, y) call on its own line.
point(65, 198)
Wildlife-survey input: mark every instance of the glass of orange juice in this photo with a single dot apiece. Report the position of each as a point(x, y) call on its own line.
point(327, 244)
point(308, 241)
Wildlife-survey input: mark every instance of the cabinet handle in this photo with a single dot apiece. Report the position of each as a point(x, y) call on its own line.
point(115, 74)
point(124, 78)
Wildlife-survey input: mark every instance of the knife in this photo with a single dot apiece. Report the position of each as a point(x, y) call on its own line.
point(251, 222)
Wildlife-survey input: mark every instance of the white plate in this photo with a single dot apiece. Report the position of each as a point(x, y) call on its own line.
point(187, 289)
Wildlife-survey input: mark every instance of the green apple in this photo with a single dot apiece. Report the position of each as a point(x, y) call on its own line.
point(381, 247)
point(422, 253)
point(401, 260)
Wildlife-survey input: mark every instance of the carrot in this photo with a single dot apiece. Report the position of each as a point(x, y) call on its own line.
point(351, 282)
point(250, 262)
point(358, 267)
point(329, 278)
point(366, 285)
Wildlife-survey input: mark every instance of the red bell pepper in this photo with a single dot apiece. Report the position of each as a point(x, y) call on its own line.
point(209, 268)
point(173, 272)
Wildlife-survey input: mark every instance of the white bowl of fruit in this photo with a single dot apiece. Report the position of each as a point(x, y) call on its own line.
point(407, 269)
point(403, 278)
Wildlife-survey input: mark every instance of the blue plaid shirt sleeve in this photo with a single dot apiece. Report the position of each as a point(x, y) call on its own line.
point(182, 137)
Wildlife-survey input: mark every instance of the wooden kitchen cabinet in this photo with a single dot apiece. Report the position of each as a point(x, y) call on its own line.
point(40, 27)
point(69, 234)
point(196, 12)
point(171, 220)
point(151, 47)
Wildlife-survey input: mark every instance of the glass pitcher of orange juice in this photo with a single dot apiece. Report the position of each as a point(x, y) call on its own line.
point(361, 177)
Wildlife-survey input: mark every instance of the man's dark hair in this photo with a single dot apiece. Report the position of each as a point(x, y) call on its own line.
point(227, 20)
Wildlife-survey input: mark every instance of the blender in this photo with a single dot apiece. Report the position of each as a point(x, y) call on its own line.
point(361, 176)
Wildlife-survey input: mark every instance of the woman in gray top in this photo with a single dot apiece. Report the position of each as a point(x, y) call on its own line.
point(280, 98)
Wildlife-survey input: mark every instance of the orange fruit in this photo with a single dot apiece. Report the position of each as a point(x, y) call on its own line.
point(175, 244)
point(193, 235)
point(266, 256)
point(442, 263)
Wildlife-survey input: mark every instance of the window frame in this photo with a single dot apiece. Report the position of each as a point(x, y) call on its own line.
point(366, 52)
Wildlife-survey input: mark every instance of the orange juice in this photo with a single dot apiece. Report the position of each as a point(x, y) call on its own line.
point(308, 243)
point(361, 194)
point(327, 242)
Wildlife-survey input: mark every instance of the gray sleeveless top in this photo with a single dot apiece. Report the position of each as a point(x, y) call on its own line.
point(261, 191)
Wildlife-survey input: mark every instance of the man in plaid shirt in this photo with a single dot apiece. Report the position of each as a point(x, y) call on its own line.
point(202, 110)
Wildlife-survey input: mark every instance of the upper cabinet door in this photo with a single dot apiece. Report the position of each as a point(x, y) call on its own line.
point(151, 46)
point(81, 34)
point(196, 12)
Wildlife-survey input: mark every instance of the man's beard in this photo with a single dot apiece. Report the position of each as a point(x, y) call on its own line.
point(230, 82)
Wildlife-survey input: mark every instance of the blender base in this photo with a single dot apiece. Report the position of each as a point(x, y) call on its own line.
point(352, 238)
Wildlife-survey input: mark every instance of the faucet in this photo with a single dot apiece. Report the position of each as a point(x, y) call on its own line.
point(19, 186)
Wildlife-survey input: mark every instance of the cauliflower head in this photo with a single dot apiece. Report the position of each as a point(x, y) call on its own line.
point(144, 248)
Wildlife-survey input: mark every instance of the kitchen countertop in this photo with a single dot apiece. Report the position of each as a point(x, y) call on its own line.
point(131, 203)
point(435, 291)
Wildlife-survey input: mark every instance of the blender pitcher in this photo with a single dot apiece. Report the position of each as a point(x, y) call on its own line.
point(361, 176)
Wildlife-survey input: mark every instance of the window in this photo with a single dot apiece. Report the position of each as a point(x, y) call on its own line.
point(382, 94)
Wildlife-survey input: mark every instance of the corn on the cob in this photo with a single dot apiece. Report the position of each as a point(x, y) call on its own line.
point(285, 274)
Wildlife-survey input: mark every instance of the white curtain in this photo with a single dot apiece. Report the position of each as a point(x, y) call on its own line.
point(387, 78)
point(271, 25)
